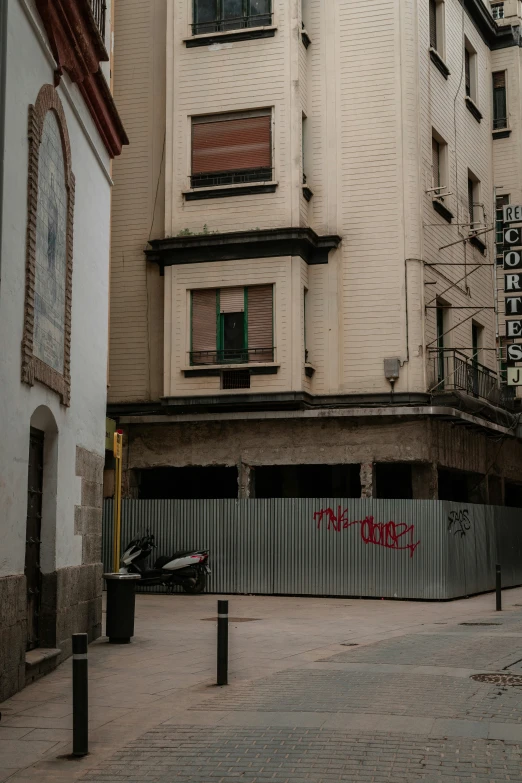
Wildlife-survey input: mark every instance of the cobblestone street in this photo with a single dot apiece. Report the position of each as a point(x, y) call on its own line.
point(320, 690)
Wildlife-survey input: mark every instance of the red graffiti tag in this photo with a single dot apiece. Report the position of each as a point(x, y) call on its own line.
point(390, 535)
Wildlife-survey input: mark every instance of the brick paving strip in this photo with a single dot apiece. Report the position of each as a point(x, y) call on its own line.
point(294, 755)
point(397, 704)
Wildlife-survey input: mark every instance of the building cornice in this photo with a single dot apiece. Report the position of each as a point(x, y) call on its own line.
point(496, 36)
point(78, 49)
point(265, 243)
point(365, 407)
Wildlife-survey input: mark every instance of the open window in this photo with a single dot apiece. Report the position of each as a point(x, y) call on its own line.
point(232, 326)
point(231, 148)
point(474, 203)
point(499, 101)
point(471, 79)
point(439, 160)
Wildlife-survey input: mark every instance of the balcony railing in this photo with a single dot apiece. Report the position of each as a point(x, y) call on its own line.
point(238, 177)
point(99, 10)
point(232, 23)
point(452, 370)
point(232, 356)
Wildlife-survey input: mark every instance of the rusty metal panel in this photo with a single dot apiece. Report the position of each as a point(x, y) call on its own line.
point(409, 549)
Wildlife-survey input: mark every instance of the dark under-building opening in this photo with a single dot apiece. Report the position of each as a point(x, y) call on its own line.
point(462, 487)
point(307, 481)
point(513, 494)
point(393, 480)
point(198, 483)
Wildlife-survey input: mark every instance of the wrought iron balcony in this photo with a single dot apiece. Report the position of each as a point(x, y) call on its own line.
point(232, 23)
point(452, 370)
point(499, 123)
point(232, 356)
point(238, 177)
point(99, 10)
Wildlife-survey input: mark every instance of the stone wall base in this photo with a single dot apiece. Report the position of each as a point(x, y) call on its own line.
point(13, 634)
point(71, 603)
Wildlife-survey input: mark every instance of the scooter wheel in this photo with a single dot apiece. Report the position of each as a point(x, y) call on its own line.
point(198, 586)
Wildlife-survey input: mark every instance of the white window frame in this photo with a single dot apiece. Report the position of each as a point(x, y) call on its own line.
point(498, 6)
point(443, 164)
point(473, 71)
point(440, 23)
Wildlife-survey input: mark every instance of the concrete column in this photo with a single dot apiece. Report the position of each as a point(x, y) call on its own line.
point(367, 480)
point(425, 481)
point(245, 481)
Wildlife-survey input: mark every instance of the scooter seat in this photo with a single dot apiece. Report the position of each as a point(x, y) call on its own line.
point(161, 562)
point(185, 553)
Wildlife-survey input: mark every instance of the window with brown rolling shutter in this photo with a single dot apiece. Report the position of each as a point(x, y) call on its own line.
point(232, 300)
point(204, 333)
point(260, 323)
point(229, 149)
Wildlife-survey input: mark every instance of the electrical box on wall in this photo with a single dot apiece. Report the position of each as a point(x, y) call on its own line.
point(392, 368)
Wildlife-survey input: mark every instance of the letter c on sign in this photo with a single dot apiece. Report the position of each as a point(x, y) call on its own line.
point(512, 236)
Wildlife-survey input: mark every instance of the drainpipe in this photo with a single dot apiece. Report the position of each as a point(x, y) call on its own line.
point(3, 69)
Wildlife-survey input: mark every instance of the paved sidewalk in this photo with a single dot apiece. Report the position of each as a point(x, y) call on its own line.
point(320, 690)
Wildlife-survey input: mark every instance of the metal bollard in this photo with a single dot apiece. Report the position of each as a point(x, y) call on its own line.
point(222, 643)
point(499, 588)
point(80, 695)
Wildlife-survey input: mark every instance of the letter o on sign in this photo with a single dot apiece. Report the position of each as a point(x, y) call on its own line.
point(512, 259)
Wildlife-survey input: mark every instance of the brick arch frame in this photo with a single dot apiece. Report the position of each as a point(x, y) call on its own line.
point(33, 368)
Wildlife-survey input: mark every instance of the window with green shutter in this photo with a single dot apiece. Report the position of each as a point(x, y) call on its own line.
point(232, 325)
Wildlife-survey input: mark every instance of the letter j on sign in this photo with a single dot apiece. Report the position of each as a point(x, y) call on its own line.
point(514, 376)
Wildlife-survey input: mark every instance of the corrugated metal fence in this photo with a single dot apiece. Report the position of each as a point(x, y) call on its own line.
point(370, 548)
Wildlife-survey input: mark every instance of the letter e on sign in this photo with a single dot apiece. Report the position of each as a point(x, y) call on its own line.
point(513, 328)
point(514, 352)
point(512, 214)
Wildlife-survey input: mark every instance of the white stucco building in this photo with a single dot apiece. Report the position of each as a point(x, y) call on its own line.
point(60, 130)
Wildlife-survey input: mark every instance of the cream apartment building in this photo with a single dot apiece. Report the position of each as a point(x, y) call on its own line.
point(304, 292)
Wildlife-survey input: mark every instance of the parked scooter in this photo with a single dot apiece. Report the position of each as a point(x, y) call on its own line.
point(188, 569)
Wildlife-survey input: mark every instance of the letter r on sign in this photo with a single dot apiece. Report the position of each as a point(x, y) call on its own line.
point(513, 282)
